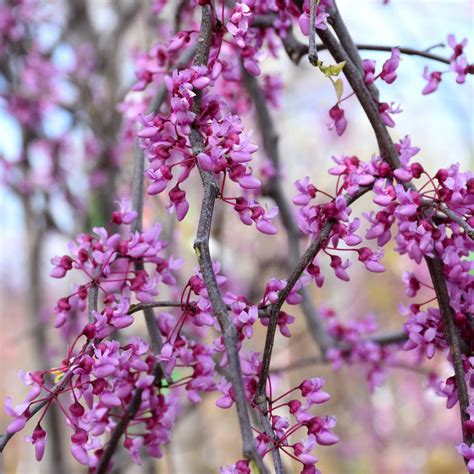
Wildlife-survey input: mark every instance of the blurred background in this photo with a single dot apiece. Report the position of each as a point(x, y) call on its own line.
point(66, 151)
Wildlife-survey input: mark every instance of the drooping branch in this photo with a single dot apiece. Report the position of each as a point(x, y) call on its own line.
point(435, 264)
point(201, 246)
point(56, 390)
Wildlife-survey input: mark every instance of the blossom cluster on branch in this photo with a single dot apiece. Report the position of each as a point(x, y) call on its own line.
point(112, 390)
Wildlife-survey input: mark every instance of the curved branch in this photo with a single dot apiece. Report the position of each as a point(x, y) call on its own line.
point(118, 431)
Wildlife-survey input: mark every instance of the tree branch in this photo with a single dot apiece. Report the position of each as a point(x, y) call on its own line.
point(274, 309)
point(436, 268)
point(118, 431)
point(312, 50)
point(201, 246)
point(92, 301)
point(435, 265)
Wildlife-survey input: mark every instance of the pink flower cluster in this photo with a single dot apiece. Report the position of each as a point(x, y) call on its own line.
point(166, 141)
point(106, 262)
point(98, 382)
point(318, 429)
point(388, 74)
point(312, 218)
point(459, 65)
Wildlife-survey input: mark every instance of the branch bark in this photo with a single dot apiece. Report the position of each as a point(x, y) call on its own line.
point(201, 247)
point(118, 431)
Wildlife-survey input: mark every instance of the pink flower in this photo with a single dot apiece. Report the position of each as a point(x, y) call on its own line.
point(303, 450)
point(369, 71)
point(467, 452)
point(389, 69)
point(339, 119)
point(433, 78)
point(458, 48)
point(62, 266)
point(125, 215)
point(240, 467)
point(38, 439)
point(371, 259)
point(311, 390)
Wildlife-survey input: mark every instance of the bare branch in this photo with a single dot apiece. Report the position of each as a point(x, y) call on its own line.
point(92, 301)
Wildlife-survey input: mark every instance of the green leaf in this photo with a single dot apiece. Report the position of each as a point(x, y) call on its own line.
point(339, 88)
point(332, 69)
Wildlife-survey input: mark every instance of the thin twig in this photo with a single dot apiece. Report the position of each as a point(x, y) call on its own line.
point(56, 390)
point(296, 49)
point(455, 217)
point(310, 361)
point(92, 301)
point(53, 392)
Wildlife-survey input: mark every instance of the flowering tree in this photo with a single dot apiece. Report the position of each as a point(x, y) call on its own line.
point(183, 118)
